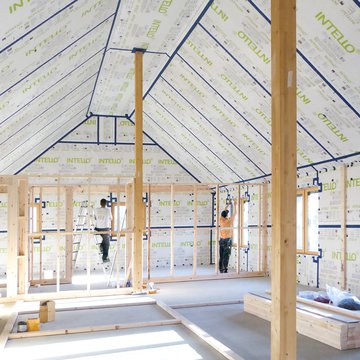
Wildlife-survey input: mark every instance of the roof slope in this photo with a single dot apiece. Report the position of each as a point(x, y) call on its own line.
point(207, 79)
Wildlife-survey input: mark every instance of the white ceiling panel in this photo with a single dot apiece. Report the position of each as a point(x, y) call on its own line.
point(54, 73)
point(20, 17)
point(24, 152)
point(189, 162)
point(214, 137)
point(45, 42)
point(29, 115)
point(115, 89)
point(155, 25)
point(196, 142)
point(20, 134)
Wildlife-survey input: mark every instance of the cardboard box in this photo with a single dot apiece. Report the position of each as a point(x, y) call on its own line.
point(47, 311)
point(33, 324)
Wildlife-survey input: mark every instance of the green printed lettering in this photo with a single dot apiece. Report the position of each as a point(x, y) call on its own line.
point(254, 47)
point(335, 33)
point(332, 127)
point(219, 12)
point(153, 28)
point(233, 86)
point(199, 52)
point(164, 6)
point(331, 186)
point(14, 6)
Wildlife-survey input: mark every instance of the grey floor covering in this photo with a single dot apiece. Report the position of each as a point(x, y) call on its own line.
point(245, 334)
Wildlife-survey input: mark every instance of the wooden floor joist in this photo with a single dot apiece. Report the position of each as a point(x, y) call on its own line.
point(87, 329)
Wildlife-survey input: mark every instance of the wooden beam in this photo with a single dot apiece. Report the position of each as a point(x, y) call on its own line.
point(172, 261)
point(239, 229)
point(23, 266)
point(129, 224)
point(69, 216)
point(264, 228)
point(13, 238)
point(138, 189)
point(149, 232)
point(195, 230)
point(343, 189)
point(217, 229)
point(283, 86)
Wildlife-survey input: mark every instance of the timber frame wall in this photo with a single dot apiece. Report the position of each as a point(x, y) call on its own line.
point(21, 191)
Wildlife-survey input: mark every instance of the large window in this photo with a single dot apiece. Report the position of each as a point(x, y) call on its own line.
point(307, 220)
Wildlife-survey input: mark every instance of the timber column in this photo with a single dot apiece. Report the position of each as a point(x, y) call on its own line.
point(283, 88)
point(138, 182)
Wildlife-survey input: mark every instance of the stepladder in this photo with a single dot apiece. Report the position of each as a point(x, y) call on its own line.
point(84, 227)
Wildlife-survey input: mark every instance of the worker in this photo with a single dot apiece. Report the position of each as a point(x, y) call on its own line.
point(226, 234)
point(103, 218)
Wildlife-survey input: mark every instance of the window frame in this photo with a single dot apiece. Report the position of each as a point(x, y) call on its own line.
point(114, 206)
point(238, 225)
point(304, 193)
point(37, 207)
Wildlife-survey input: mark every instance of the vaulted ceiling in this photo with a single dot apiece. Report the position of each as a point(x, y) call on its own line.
point(207, 79)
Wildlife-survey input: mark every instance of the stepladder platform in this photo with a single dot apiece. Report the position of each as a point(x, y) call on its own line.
point(336, 330)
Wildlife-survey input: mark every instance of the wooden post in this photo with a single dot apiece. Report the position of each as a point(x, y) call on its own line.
point(264, 228)
point(260, 214)
point(13, 236)
point(239, 229)
point(23, 265)
point(58, 237)
point(138, 189)
point(118, 235)
point(343, 189)
point(217, 230)
point(129, 225)
point(195, 230)
point(88, 235)
point(69, 222)
point(283, 276)
point(172, 262)
point(149, 232)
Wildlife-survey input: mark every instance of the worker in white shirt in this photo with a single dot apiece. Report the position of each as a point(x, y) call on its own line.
point(103, 219)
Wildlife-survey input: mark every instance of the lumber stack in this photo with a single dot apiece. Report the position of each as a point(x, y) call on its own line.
point(339, 331)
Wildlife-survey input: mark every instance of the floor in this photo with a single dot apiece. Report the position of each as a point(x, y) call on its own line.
point(215, 306)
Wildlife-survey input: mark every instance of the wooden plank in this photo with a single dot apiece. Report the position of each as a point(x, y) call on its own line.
point(283, 130)
point(217, 221)
point(138, 190)
point(239, 229)
point(264, 228)
point(260, 229)
point(13, 236)
point(234, 275)
point(149, 233)
point(329, 331)
point(88, 329)
point(203, 335)
point(343, 191)
point(195, 230)
point(328, 307)
point(23, 239)
point(58, 226)
point(129, 223)
point(10, 317)
point(69, 216)
point(172, 255)
point(69, 294)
